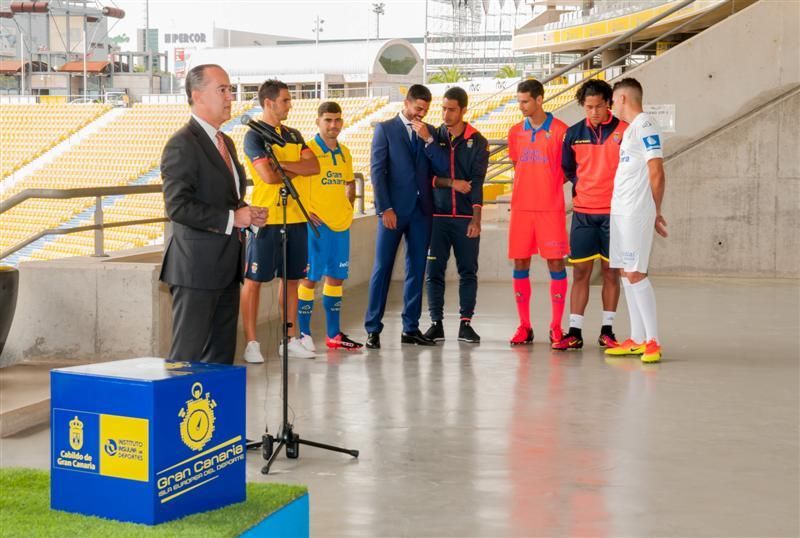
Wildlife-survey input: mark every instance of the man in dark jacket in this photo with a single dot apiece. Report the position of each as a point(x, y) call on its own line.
point(204, 186)
point(457, 202)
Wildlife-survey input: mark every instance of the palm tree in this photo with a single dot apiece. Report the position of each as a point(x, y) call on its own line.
point(507, 71)
point(445, 75)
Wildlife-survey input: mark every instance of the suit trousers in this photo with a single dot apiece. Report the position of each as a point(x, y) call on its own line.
point(416, 229)
point(204, 324)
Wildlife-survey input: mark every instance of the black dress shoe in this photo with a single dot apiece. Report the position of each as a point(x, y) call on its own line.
point(374, 341)
point(416, 338)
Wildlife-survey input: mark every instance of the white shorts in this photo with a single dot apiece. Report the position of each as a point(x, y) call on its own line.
point(631, 242)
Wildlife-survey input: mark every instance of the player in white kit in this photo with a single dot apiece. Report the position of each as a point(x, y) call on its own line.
point(635, 212)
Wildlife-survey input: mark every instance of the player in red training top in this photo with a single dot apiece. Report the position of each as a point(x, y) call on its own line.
point(590, 160)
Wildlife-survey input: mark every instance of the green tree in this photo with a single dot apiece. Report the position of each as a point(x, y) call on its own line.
point(445, 75)
point(120, 39)
point(507, 71)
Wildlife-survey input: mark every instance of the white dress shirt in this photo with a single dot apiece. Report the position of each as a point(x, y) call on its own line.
point(410, 129)
point(407, 123)
point(212, 134)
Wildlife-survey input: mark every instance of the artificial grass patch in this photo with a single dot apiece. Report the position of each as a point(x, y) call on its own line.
point(25, 511)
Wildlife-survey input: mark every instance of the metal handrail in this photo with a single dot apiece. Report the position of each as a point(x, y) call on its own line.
point(501, 144)
point(64, 231)
point(505, 167)
point(619, 39)
point(99, 226)
point(87, 192)
point(628, 55)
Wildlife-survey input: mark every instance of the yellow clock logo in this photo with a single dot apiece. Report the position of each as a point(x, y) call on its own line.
point(197, 426)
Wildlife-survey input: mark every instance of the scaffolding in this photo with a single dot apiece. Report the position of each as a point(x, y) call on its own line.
point(472, 36)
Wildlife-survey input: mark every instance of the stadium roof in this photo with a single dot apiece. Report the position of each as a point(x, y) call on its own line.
point(77, 67)
point(10, 66)
point(392, 56)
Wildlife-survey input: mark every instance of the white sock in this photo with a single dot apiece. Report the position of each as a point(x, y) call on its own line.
point(576, 321)
point(637, 323)
point(646, 301)
point(608, 317)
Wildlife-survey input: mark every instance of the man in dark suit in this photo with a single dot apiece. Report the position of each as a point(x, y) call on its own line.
point(401, 180)
point(203, 185)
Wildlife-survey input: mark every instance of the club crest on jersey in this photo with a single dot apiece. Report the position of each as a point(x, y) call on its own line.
point(469, 143)
point(617, 137)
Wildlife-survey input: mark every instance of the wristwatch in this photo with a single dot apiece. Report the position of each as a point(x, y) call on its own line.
point(429, 140)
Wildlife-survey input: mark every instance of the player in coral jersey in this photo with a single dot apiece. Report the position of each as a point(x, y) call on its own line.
point(538, 218)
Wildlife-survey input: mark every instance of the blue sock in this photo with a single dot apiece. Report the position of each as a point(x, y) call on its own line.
point(332, 302)
point(305, 306)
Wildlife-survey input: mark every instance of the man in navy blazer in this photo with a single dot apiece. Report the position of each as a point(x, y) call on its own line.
point(401, 181)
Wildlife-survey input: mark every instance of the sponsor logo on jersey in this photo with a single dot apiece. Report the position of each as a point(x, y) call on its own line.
point(534, 155)
point(652, 142)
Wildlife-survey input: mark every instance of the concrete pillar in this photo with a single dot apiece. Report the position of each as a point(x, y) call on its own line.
point(612, 54)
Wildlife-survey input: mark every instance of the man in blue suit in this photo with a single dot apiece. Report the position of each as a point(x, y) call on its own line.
point(401, 181)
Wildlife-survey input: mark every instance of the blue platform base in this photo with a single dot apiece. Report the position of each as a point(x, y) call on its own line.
point(147, 440)
point(291, 521)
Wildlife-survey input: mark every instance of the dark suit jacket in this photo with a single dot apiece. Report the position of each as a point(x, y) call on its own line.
point(198, 195)
point(401, 174)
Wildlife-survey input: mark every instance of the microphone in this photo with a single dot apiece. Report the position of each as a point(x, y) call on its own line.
point(268, 135)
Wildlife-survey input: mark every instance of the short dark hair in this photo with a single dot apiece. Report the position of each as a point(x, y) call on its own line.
point(457, 94)
point(195, 79)
point(270, 89)
point(418, 91)
point(531, 86)
point(329, 107)
point(594, 87)
point(629, 82)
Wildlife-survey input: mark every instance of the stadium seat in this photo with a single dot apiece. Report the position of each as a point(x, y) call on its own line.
point(28, 131)
point(131, 145)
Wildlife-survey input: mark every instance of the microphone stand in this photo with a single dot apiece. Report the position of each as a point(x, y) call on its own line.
point(287, 438)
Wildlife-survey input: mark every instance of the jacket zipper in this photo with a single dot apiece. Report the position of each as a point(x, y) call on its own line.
point(453, 177)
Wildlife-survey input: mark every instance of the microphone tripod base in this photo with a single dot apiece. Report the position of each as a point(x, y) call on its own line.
point(291, 441)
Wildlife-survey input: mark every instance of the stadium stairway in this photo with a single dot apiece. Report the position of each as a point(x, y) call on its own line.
point(726, 70)
point(25, 390)
point(731, 164)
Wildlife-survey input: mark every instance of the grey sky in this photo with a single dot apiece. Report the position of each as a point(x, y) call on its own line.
point(343, 19)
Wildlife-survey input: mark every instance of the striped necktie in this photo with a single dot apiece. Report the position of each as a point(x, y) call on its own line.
point(223, 150)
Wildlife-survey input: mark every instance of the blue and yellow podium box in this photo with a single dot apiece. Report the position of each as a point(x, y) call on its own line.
point(147, 440)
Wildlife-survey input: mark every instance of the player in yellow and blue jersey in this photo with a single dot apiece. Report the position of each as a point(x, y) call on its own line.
point(331, 196)
point(264, 251)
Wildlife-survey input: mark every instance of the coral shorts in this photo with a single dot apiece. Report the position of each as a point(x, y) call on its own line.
point(543, 232)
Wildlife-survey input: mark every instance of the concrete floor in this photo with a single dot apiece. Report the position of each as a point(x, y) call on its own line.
point(486, 440)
